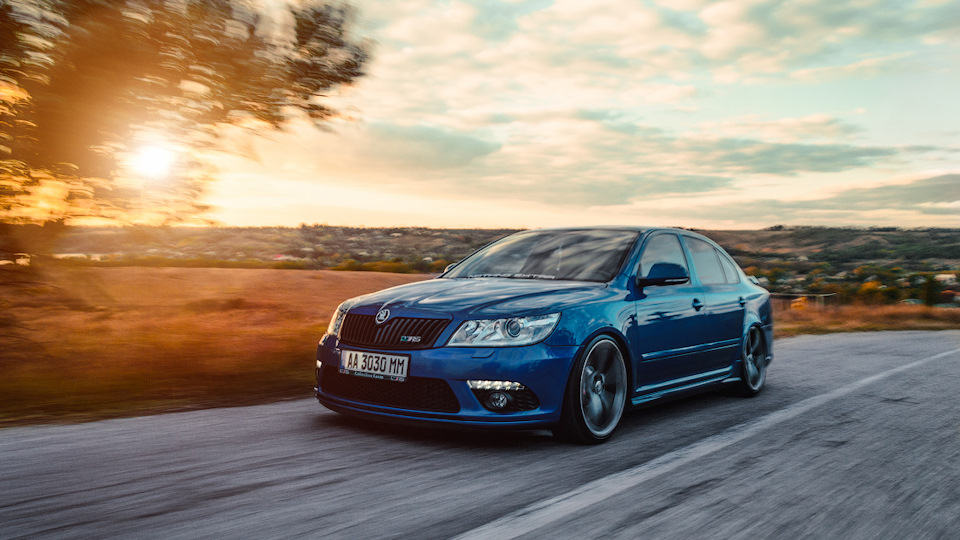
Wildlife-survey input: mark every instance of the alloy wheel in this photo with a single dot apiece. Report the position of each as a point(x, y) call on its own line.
point(603, 388)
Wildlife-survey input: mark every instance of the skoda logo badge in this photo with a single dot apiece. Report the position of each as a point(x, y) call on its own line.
point(382, 316)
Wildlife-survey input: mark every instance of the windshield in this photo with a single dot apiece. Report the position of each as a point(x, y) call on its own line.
point(579, 255)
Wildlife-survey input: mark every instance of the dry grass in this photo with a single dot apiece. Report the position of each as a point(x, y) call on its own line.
point(101, 342)
point(861, 318)
point(104, 342)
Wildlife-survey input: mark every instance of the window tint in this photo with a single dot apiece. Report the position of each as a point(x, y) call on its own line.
point(729, 269)
point(706, 261)
point(662, 248)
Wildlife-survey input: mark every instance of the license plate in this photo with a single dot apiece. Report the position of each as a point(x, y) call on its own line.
point(388, 367)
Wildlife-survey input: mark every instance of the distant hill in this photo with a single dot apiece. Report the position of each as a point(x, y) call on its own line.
point(845, 248)
point(323, 246)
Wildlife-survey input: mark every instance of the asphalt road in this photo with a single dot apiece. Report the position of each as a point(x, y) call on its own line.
point(855, 436)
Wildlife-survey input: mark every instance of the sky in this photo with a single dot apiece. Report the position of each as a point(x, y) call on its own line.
point(721, 115)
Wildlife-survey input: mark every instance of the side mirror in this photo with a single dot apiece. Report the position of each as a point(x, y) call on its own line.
point(664, 274)
point(450, 267)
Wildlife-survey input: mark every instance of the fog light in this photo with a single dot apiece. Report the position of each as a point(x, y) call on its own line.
point(504, 396)
point(494, 385)
point(497, 400)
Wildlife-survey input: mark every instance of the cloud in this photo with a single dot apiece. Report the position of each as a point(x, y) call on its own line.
point(750, 37)
point(619, 121)
point(809, 128)
point(862, 68)
point(590, 191)
point(497, 20)
point(744, 146)
point(926, 196)
point(758, 157)
point(424, 146)
point(901, 204)
point(672, 105)
point(593, 157)
point(653, 187)
point(448, 63)
point(608, 157)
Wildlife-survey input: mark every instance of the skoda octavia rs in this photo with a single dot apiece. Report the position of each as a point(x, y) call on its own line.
point(562, 329)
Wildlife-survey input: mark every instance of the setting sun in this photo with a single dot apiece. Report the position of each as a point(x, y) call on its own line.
point(153, 161)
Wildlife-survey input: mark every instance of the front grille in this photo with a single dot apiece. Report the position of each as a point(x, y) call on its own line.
point(416, 393)
point(363, 331)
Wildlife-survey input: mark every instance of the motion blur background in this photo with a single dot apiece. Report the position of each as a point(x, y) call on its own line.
point(157, 157)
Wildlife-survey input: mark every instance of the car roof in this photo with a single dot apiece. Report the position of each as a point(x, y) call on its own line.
point(631, 228)
point(640, 230)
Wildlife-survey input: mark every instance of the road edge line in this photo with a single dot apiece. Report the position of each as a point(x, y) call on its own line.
point(539, 514)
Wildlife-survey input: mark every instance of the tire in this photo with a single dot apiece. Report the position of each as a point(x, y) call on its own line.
point(596, 393)
point(753, 363)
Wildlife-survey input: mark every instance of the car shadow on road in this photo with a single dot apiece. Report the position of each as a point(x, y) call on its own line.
point(672, 416)
point(435, 435)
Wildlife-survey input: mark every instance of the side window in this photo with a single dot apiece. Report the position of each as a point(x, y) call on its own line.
point(662, 248)
point(706, 261)
point(729, 269)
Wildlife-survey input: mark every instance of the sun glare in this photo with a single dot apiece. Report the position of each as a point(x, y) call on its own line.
point(153, 161)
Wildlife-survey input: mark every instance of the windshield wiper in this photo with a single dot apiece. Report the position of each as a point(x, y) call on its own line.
point(514, 276)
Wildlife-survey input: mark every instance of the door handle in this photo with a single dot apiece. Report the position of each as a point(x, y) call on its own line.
point(742, 301)
point(697, 304)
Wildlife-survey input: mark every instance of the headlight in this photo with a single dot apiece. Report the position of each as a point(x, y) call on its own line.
point(336, 321)
point(510, 332)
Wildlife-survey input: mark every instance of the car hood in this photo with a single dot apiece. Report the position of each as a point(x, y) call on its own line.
point(488, 297)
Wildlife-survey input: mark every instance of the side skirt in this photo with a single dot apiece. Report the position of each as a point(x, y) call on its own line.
point(684, 386)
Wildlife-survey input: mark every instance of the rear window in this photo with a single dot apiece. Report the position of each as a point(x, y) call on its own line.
point(729, 268)
point(706, 262)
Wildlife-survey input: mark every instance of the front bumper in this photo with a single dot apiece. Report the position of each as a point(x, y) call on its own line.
point(541, 368)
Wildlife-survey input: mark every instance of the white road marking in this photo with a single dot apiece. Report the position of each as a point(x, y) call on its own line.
point(550, 510)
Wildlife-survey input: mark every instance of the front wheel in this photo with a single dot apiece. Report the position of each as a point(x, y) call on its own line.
point(596, 393)
point(753, 363)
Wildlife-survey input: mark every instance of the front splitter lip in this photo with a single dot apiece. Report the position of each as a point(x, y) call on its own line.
point(427, 419)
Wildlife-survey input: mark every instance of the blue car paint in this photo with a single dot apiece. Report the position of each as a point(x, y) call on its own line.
point(670, 346)
point(540, 367)
point(478, 298)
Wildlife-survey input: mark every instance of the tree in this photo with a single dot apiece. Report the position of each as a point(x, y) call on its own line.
point(84, 83)
point(930, 291)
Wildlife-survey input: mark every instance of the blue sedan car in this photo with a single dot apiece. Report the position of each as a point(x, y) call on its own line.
point(562, 329)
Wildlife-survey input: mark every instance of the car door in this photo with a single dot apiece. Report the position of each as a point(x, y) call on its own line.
point(723, 309)
point(667, 320)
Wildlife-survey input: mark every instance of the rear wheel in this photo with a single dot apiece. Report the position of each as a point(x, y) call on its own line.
point(753, 363)
point(596, 393)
